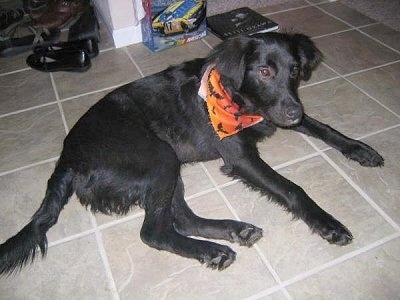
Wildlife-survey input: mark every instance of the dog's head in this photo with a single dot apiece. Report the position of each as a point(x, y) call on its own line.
point(263, 73)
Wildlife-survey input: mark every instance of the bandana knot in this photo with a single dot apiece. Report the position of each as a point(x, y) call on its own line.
point(225, 115)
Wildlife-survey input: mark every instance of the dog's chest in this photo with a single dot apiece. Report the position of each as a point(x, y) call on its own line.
point(194, 145)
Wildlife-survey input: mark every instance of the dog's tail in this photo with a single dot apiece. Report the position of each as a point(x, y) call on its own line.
point(22, 248)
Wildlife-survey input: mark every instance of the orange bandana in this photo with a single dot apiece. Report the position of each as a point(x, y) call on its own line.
point(225, 115)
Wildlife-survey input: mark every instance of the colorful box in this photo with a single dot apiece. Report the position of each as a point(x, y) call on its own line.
point(171, 23)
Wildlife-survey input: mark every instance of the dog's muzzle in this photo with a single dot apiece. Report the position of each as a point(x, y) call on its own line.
point(286, 115)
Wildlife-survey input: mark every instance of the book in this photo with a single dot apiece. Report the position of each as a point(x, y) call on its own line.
point(239, 21)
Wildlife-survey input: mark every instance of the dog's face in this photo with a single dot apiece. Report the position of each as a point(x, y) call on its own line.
point(263, 73)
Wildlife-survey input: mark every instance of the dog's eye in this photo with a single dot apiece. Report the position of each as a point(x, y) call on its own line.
point(267, 73)
point(295, 71)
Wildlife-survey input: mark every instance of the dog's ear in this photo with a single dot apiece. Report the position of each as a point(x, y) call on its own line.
point(309, 54)
point(230, 59)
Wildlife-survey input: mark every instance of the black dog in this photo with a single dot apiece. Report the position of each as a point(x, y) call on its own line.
point(128, 149)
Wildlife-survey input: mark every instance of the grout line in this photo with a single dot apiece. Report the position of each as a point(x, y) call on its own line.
point(287, 9)
point(295, 161)
point(104, 258)
point(373, 98)
point(355, 186)
point(362, 90)
point(15, 71)
point(345, 30)
point(371, 68)
point(59, 103)
point(92, 92)
point(42, 162)
point(356, 28)
point(236, 216)
point(27, 109)
point(207, 44)
point(134, 62)
point(227, 203)
point(335, 262)
point(71, 238)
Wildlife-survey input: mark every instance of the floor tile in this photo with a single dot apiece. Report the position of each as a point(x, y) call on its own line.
point(284, 146)
point(382, 84)
point(282, 234)
point(72, 270)
point(282, 6)
point(384, 34)
point(24, 196)
point(371, 275)
point(298, 20)
point(13, 63)
point(212, 39)
point(214, 169)
point(25, 89)
point(352, 51)
point(381, 184)
point(133, 264)
point(150, 62)
point(195, 179)
point(345, 108)
point(113, 62)
point(30, 137)
point(346, 14)
point(321, 73)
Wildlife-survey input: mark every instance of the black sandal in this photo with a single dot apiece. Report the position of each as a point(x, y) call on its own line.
point(90, 46)
point(50, 60)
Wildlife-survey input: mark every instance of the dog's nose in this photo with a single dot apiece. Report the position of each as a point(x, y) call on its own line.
point(293, 113)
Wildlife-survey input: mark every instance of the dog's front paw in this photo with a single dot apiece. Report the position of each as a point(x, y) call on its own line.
point(332, 230)
point(247, 236)
point(364, 154)
point(219, 257)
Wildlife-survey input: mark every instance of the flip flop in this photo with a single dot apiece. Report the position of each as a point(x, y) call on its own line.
point(68, 60)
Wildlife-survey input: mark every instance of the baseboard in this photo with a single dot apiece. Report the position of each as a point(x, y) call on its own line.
point(127, 36)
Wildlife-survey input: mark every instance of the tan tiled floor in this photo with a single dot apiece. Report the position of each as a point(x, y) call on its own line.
point(356, 89)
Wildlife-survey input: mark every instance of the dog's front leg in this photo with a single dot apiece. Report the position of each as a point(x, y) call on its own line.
point(350, 148)
point(257, 174)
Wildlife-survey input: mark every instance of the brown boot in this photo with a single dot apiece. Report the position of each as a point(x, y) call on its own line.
point(60, 12)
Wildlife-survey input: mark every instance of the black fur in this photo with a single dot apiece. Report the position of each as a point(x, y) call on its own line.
point(128, 149)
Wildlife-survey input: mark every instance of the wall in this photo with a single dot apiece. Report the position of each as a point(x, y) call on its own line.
point(119, 18)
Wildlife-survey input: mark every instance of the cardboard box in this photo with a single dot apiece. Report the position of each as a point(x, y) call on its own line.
point(171, 23)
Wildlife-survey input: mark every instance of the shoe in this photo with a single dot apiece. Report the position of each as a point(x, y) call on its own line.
point(9, 17)
point(89, 46)
point(86, 27)
point(69, 60)
point(59, 13)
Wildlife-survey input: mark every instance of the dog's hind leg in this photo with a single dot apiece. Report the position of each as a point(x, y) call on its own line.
point(158, 230)
point(187, 223)
point(21, 249)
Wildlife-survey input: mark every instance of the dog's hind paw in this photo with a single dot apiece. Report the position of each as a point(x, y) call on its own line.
point(220, 258)
point(334, 232)
point(248, 236)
